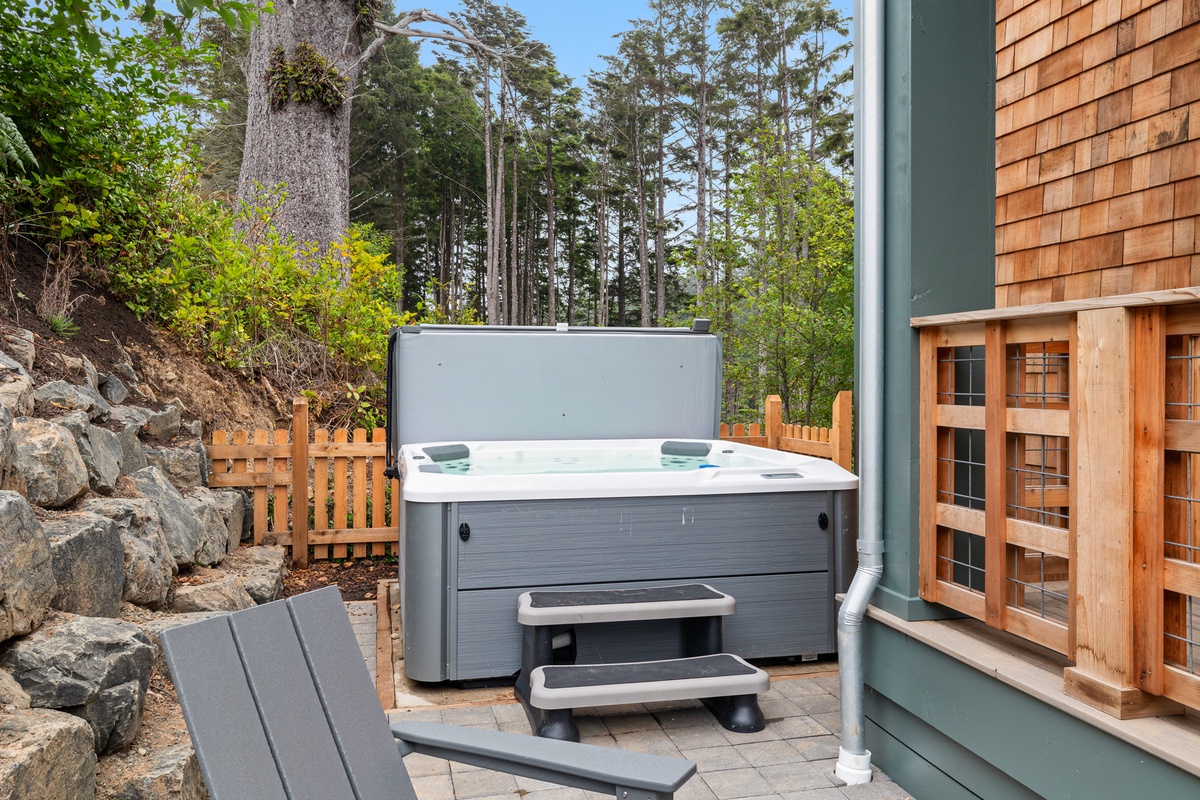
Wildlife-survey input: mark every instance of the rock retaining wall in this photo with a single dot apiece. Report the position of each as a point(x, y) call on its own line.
point(98, 528)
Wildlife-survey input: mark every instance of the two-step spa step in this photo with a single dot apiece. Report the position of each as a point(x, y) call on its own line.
point(728, 685)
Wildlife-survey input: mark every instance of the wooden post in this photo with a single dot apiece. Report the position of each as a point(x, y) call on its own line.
point(299, 482)
point(841, 437)
point(928, 371)
point(1112, 486)
point(1149, 423)
point(774, 421)
point(996, 373)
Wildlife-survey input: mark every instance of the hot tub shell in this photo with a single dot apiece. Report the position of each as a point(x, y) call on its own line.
point(470, 545)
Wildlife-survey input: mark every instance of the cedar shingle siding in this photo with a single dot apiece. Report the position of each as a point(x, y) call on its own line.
point(1097, 148)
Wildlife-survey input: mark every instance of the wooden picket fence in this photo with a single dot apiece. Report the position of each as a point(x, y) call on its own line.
point(352, 510)
point(834, 442)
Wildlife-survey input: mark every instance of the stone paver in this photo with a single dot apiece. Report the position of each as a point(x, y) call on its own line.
point(793, 759)
point(362, 619)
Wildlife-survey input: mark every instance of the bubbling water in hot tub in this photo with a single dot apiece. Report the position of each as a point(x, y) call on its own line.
point(596, 460)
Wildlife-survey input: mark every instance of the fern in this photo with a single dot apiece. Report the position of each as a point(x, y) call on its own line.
point(13, 149)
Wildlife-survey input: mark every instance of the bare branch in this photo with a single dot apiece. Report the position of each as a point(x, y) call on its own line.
point(402, 28)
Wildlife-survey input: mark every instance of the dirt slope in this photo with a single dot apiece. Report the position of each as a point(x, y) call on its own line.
point(109, 333)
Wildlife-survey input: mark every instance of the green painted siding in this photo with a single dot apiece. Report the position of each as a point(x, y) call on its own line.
point(990, 739)
point(940, 229)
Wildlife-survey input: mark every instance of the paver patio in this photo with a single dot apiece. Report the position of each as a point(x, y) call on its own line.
point(792, 759)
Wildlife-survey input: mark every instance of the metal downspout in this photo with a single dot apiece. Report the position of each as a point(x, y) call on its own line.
point(854, 759)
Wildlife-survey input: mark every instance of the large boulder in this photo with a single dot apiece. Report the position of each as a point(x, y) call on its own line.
point(67, 397)
point(148, 563)
point(97, 669)
point(185, 467)
point(214, 536)
point(18, 343)
point(89, 564)
point(16, 393)
point(9, 477)
point(171, 773)
point(179, 522)
point(232, 503)
point(46, 755)
point(26, 573)
point(99, 448)
point(224, 594)
point(49, 460)
point(262, 570)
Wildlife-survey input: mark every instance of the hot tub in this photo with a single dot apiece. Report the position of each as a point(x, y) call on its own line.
point(564, 458)
point(486, 521)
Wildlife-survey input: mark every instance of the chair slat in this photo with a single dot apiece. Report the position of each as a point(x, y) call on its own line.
point(231, 745)
point(342, 681)
point(291, 711)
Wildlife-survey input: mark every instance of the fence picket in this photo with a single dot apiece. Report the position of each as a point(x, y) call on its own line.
point(360, 492)
point(339, 492)
point(378, 486)
point(320, 493)
point(260, 492)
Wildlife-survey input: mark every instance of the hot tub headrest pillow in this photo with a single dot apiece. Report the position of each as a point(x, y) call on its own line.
point(447, 452)
point(685, 448)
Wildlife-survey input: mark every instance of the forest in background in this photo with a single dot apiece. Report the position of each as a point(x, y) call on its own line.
point(704, 171)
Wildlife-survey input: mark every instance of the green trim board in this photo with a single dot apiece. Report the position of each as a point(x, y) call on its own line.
point(949, 772)
point(1050, 752)
point(939, 230)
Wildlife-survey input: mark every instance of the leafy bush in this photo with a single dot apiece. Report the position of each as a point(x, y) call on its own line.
point(228, 283)
point(104, 126)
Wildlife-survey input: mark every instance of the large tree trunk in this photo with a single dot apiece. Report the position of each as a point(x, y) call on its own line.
point(304, 145)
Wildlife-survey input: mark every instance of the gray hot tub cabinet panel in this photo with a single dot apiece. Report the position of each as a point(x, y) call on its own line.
point(459, 598)
point(778, 615)
point(553, 542)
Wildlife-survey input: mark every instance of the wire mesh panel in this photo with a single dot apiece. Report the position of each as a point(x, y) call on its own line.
point(960, 486)
point(999, 484)
point(1182, 633)
point(1181, 515)
point(1040, 375)
point(1038, 583)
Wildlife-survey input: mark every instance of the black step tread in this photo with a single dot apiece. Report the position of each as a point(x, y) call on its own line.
point(570, 676)
point(582, 606)
point(573, 686)
point(598, 597)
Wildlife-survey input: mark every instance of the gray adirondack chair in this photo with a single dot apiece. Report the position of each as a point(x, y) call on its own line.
point(280, 706)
